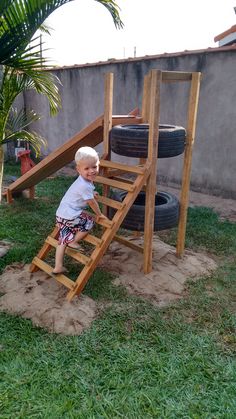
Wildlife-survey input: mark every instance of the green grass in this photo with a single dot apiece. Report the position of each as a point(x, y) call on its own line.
point(136, 360)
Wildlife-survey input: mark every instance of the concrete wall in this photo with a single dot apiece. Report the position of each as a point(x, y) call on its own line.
point(214, 156)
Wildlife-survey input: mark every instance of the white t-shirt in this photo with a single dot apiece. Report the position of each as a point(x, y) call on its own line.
point(75, 198)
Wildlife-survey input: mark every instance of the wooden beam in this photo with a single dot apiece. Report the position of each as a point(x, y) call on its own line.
point(191, 128)
point(154, 112)
point(108, 101)
point(128, 243)
point(44, 250)
point(114, 183)
point(123, 167)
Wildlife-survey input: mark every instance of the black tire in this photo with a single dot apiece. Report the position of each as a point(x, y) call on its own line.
point(166, 211)
point(132, 140)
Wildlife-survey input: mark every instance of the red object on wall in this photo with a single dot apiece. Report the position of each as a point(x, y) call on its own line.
point(26, 162)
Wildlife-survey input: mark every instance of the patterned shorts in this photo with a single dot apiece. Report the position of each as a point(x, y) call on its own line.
point(68, 228)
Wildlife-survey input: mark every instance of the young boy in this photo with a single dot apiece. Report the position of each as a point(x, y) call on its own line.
point(74, 223)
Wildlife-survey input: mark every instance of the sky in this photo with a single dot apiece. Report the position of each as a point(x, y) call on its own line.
point(83, 30)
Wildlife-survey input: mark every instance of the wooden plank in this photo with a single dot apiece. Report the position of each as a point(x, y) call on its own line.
point(102, 222)
point(96, 241)
point(123, 167)
point(129, 243)
point(109, 77)
point(9, 196)
point(110, 202)
point(106, 131)
point(31, 192)
point(114, 183)
point(191, 128)
point(59, 277)
point(154, 115)
point(85, 260)
point(91, 135)
point(45, 249)
point(146, 98)
point(176, 76)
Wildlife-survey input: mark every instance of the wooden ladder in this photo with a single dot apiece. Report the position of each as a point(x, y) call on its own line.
point(110, 227)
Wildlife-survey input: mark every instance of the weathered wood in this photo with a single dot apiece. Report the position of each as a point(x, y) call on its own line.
point(59, 277)
point(91, 136)
point(44, 250)
point(146, 98)
point(85, 260)
point(106, 131)
point(107, 113)
point(123, 167)
point(191, 128)
point(154, 111)
point(128, 243)
point(9, 196)
point(110, 202)
point(176, 76)
point(114, 183)
point(31, 192)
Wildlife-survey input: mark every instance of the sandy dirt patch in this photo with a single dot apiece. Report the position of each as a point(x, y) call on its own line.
point(40, 298)
point(167, 280)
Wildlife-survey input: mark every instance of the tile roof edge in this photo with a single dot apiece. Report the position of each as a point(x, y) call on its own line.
point(146, 57)
point(225, 33)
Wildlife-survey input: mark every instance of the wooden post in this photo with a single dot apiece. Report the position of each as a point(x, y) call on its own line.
point(32, 192)
point(9, 197)
point(154, 111)
point(108, 102)
point(146, 97)
point(191, 128)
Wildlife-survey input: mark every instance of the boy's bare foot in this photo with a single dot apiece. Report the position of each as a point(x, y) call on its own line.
point(59, 271)
point(76, 247)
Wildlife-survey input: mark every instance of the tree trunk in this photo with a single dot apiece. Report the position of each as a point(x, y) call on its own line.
point(1, 170)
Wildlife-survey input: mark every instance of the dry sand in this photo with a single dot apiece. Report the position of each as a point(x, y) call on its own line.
point(40, 298)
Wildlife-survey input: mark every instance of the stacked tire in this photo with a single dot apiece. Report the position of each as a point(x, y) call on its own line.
point(132, 141)
point(166, 211)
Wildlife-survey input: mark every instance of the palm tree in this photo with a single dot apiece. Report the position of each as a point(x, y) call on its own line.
point(21, 66)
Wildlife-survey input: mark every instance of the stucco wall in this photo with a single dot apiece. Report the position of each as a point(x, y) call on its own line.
point(214, 156)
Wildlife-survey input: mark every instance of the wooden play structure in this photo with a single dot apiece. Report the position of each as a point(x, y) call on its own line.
point(143, 176)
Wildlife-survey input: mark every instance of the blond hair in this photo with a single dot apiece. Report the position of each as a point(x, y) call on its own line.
point(86, 153)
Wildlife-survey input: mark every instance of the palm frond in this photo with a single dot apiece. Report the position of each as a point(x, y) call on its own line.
point(19, 120)
point(113, 8)
point(20, 19)
point(33, 138)
point(16, 82)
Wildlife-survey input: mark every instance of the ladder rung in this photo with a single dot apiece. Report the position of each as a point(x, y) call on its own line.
point(103, 222)
point(128, 243)
point(114, 165)
point(123, 179)
point(48, 269)
point(110, 202)
point(93, 240)
point(116, 184)
point(73, 253)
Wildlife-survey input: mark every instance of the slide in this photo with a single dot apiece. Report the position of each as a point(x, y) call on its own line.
point(91, 136)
